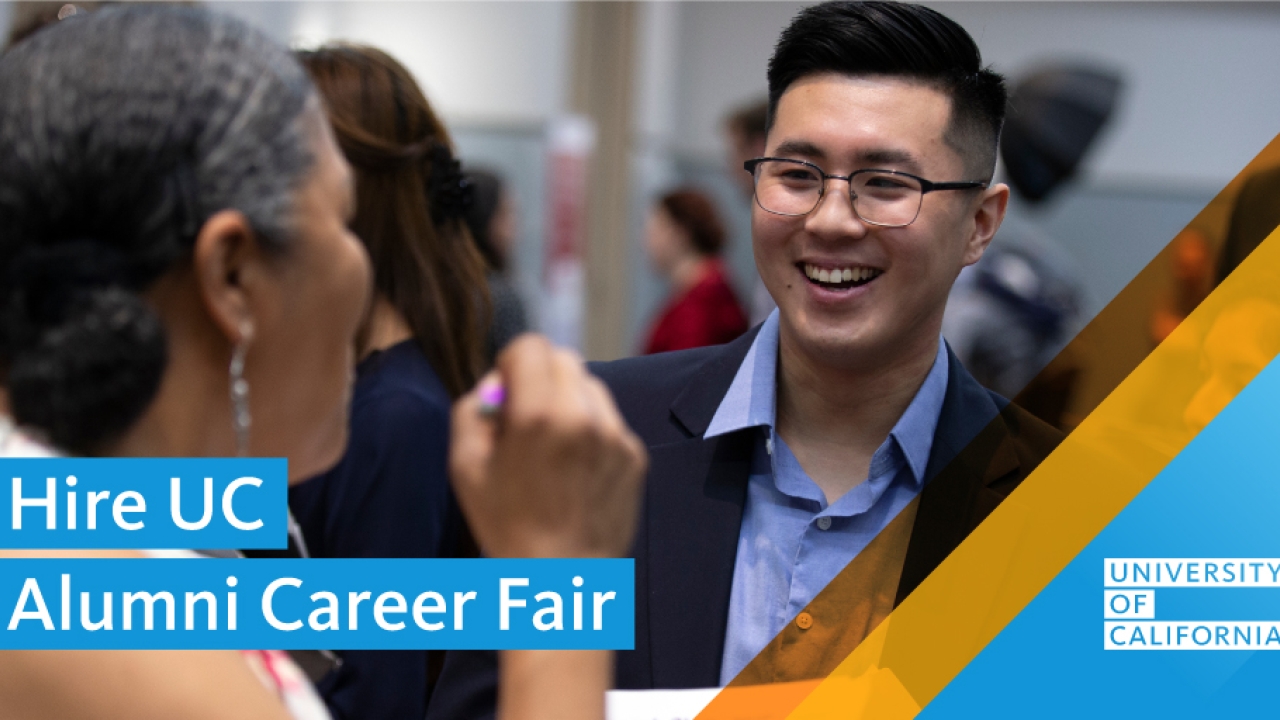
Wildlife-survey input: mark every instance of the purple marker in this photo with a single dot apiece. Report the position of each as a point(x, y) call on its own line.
point(491, 399)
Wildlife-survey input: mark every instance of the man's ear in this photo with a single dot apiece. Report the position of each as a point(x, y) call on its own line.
point(987, 216)
point(227, 255)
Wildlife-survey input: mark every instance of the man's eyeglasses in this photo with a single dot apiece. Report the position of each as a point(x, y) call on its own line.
point(886, 198)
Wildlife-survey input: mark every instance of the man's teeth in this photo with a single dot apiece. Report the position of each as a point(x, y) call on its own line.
point(840, 275)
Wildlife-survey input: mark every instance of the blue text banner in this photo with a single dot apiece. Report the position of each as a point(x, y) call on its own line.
point(144, 503)
point(336, 604)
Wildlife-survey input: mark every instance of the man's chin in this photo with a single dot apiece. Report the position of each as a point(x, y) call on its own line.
point(837, 344)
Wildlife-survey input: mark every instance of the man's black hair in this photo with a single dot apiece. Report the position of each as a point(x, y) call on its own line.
point(902, 40)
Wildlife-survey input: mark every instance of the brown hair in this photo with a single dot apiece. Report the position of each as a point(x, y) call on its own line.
point(751, 120)
point(693, 211)
point(409, 207)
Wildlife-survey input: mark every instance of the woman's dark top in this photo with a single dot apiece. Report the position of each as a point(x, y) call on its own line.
point(509, 317)
point(389, 497)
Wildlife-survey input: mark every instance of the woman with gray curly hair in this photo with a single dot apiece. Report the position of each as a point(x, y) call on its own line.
point(179, 279)
point(173, 202)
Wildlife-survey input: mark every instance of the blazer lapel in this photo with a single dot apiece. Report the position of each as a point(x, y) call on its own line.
point(970, 452)
point(696, 493)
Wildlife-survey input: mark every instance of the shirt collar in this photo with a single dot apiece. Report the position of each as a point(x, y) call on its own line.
point(751, 400)
point(751, 396)
point(914, 430)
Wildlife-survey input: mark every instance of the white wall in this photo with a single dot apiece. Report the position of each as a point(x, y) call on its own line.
point(496, 62)
point(724, 50)
point(499, 62)
point(1201, 96)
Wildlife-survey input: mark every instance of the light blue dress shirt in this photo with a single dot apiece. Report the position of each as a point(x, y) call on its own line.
point(792, 543)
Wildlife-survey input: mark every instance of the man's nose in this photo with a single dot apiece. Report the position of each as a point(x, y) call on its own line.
point(834, 217)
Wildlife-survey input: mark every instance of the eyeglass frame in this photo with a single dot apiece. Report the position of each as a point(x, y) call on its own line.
point(926, 186)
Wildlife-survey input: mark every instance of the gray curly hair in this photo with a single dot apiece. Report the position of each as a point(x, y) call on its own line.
point(121, 132)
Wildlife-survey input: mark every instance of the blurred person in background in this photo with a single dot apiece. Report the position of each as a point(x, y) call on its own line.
point(491, 217)
point(173, 288)
point(745, 131)
point(1014, 311)
point(1192, 272)
point(421, 346)
point(684, 239)
point(1159, 407)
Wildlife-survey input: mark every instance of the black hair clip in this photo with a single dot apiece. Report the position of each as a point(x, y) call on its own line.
point(450, 190)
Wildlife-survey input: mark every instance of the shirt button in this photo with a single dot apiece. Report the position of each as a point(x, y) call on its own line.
point(824, 523)
point(804, 621)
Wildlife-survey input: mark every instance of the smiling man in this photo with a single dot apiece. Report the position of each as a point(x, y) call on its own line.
point(842, 430)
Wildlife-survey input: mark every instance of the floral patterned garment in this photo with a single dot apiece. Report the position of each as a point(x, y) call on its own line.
point(273, 668)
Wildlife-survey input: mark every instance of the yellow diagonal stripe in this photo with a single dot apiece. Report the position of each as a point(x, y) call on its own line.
point(1074, 493)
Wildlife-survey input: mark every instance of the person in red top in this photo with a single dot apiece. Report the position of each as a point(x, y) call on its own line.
point(684, 237)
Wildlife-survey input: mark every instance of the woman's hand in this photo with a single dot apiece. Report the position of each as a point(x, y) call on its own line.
point(555, 472)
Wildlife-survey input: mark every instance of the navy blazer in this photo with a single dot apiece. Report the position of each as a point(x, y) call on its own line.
point(695, 494)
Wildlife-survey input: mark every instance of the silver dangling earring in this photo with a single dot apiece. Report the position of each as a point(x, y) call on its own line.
point(241, 420)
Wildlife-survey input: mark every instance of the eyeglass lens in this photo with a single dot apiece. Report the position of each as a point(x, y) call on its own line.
point(794, 188)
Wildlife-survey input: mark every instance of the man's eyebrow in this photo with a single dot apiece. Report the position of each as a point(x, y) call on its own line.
point(802, 148)
point(868, 158)
point(886, 156)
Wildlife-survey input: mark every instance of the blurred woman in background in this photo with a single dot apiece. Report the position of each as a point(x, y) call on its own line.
point(684, 237)
point(491, 218)
point(420, 348)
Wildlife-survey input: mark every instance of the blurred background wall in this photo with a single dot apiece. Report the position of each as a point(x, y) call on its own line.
point(1200, 99)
